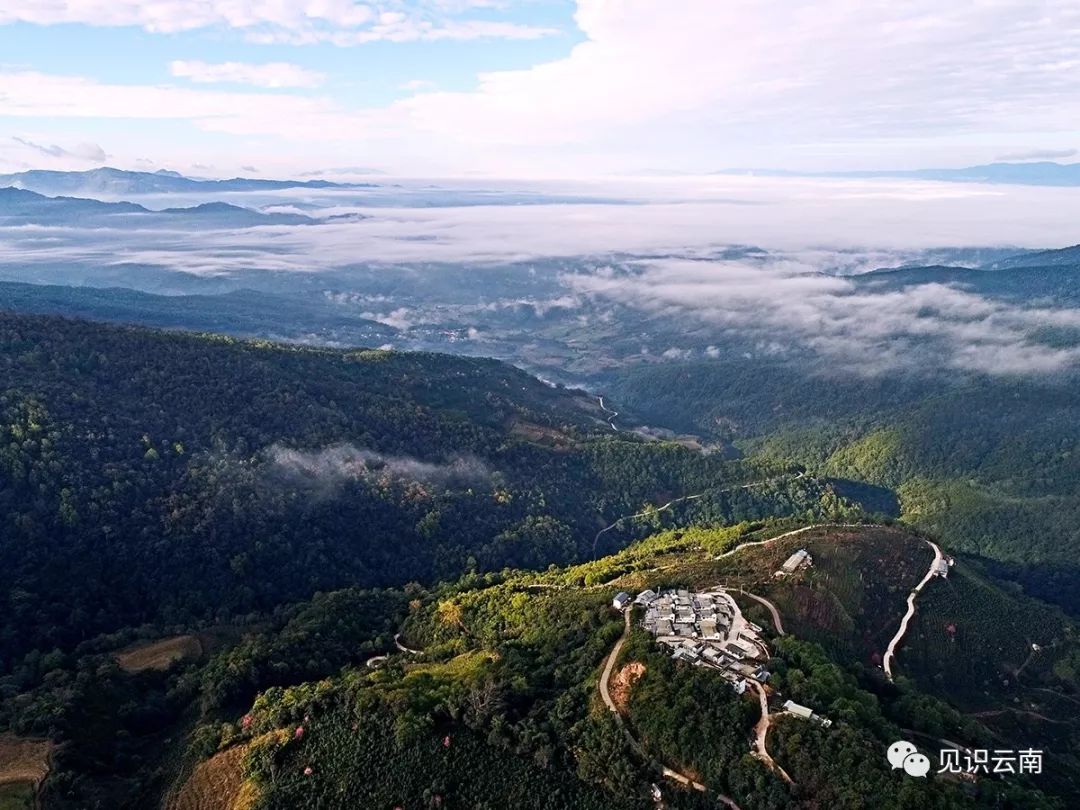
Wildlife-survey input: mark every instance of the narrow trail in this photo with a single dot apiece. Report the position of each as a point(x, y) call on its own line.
point(683, 780)
point(1036, 651)
point(647, 512)
point(1011, 710)
point(695, 497)
point(890, 653)
point(761, 734)
point(779, 625)
point(39, 788)
point(605, 695)
point(1055, 694)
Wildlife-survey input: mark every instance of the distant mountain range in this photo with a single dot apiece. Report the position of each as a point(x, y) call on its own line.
point(112, 182)
point(22, 207)
point(1045, 173)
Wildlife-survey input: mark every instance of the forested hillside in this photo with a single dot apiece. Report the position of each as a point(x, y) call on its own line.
point(502, 678)
point(209, 545)
point(991, 465)
point(163, 477)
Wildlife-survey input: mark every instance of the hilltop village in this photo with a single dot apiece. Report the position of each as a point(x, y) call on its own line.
point(708, 629)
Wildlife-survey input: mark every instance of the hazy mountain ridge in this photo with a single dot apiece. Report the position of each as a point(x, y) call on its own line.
point(21, 206)
point(109, 181)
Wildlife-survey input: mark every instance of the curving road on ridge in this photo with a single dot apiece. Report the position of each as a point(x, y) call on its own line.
point(605, 695)
point(890, 653)
point(777, 623)
point(609, 664)
point(402, 647)
point(609, 413)
point(795, 532)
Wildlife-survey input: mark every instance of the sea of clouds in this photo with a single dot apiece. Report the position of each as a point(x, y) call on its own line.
point(660, 249)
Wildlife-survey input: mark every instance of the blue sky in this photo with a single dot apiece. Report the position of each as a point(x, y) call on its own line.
point(369, 74)
point(534, 87)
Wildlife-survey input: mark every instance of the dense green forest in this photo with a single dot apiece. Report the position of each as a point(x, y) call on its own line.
point(991, 465)
point(403, 564)
point(501, 701)
point(501, 698)
point(172, 478)
point(154, 476)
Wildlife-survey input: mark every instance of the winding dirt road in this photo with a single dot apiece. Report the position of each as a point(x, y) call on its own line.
point(605, 695)
point(761, 734)
point(607, 410)
point(779, 625)
point(609, 665)
point(795, 532)
point(890, 653)
point(402, 647)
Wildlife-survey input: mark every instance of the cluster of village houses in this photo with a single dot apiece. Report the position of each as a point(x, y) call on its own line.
point(705, 629)
point(709, 630)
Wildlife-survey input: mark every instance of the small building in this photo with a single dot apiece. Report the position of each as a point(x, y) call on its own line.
point(621, 600)
point(739, 686)
point(941, 568)
point(686, 654)
point(796, 561)
point(645, 598)
point(806, 713)
point(762, 675)
point(747, 647)
point(797, 710)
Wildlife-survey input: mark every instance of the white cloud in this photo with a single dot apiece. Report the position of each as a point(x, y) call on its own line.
point(90, 152)
point(730, 77)
point(785, 300)
point(34, 94)
point(1040, 154)
point(341, 22)
point(269, 74)
point(395, 27)
point(326, 469)
point(844, 226)
point(186, 15)
point(699, 85)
